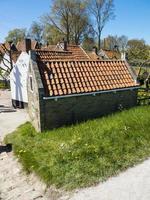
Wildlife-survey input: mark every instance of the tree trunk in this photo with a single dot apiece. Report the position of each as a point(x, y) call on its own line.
point(68, 36)
point(76, 39)
point(99, 40)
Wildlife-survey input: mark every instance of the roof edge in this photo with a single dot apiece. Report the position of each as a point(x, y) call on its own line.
point(91, 93)
point(134, 76)
point(82, 60)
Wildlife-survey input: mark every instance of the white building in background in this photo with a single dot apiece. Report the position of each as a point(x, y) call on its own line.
point(18, 80)
point(19, 73)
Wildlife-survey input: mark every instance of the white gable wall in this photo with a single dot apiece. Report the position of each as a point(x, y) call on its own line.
point(18, 78)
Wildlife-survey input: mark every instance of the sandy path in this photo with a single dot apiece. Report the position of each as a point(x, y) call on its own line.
point(14, 185)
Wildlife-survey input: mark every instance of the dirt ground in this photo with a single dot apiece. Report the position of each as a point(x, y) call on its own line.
point(11, 119)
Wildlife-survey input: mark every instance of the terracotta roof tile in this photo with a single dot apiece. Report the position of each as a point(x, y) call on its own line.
point(112, 54)
point(74, 52)
point(5, 48)
point(75, 77)
point(15, 55)
point(21, 45)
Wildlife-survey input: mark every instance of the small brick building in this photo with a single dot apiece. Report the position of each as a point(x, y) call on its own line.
point(66, 87)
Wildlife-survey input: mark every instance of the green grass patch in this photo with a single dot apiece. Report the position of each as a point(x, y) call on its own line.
point(84, 154)
point(4, 86)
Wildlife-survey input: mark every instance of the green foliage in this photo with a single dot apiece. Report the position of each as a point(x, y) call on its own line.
point(52, 35)
point(111, 42)
point(88, 43)
point(84, 154)
point(137, 50)
point(16, 35)
point(4, 85)
point(101, 11)
point(69, 18)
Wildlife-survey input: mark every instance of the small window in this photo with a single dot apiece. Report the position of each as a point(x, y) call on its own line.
point(31, 84)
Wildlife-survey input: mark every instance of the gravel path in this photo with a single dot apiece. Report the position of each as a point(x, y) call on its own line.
point(9, 121)
point(14, 185)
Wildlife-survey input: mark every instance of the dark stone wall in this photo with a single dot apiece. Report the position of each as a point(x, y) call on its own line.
point(35, 97)
point(70, 110)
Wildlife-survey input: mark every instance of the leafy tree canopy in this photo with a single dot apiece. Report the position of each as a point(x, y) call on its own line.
point(16, 35)
point(137, 50)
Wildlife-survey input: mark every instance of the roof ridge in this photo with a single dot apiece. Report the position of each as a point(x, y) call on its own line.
point(47, 50)
point(84, 52)
point(88, 60)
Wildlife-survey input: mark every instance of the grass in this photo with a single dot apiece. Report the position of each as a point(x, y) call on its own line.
point(84, 154)
point(3, 86)
point(143, 96)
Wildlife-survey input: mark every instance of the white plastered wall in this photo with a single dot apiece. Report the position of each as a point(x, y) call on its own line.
point(18, 78)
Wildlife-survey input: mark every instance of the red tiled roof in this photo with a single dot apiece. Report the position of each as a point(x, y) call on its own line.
point(76, 77)
point(112, 54)
point(5, 48)
point(15, 55)
point(46, 55)
point(34, 44)
point(94, 56)
point(21, 45)
point(75, 52)
point(78, 52)
point(105, 55)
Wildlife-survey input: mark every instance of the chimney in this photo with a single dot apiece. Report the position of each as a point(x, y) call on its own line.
point(27, 45)
point(65, 45)
point(95, 50)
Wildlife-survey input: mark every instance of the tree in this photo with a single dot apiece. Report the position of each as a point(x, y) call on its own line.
point(16, 35)
point(115, 42)
point(80, 21)
point(88, 43)
point(122, 43)
point(137, 51)
point(6, 64)
point(36, 32)
point(69, 18)
point(138, 54)
point(101, 12)
point(110, 42)
point(52, 35)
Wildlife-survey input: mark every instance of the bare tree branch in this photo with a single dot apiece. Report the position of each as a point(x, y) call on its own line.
point(102, 12)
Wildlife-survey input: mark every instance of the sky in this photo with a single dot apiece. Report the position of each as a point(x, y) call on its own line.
point(132, 17)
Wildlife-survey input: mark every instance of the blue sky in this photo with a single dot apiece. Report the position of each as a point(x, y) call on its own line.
point(132, 17)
